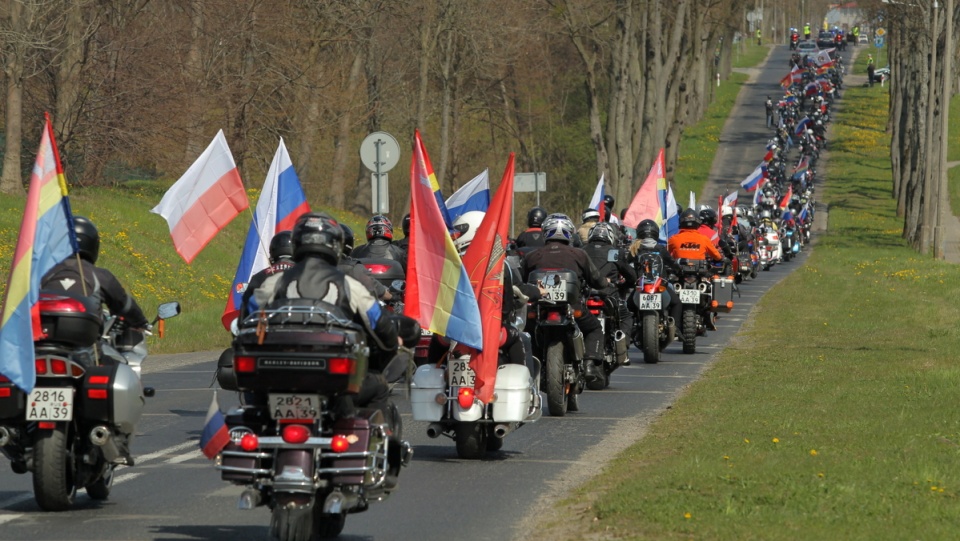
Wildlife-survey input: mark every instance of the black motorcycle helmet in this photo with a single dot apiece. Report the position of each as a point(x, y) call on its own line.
point(648, 229)
point(88, 238)
point(689, 219)
point(319, 234)
point(536, 216)
point(281, 245)
point(405, 225)
point(608, 202)
point(348, 239)
point(708, 216)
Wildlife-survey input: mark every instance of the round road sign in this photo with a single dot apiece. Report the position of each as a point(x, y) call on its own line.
point(389, 151)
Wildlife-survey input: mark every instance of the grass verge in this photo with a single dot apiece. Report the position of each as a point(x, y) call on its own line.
point(748, 54)
point(832, 416)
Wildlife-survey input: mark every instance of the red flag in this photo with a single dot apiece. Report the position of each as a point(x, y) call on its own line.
point(484, 264)
point(786, 198)
point(787, 81)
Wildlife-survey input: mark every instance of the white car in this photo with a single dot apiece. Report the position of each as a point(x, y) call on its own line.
point(807, 46)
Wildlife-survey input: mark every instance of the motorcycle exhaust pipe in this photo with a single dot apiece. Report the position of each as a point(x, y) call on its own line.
point(434, 430)
point(5, 436)
point(502, 430)
point(103, 438)
point(620, 343)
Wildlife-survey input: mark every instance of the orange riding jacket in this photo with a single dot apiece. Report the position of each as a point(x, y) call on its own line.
point(691, 244)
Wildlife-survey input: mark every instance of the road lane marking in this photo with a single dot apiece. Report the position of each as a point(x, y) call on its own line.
point(9, 518)
point(185, 457)
point(168, 451)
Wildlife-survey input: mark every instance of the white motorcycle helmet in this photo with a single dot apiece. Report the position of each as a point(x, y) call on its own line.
point(466, 225)
point(725, 211)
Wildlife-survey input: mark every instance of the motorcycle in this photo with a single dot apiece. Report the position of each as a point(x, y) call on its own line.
point(768, 246)
point(794, 40)
point(695, 290)
point(655, 330)
point(443, 395)
point(615, 344)
point(557, 341)
point(299, 445)
point(77, 424)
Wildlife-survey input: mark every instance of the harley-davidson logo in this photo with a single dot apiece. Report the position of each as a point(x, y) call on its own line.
point(293, 363)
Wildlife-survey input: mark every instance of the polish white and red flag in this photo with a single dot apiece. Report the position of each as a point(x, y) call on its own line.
point(204, 199)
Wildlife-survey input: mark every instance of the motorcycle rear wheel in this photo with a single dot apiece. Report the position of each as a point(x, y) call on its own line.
point(53, 472)
point(471, 441)
point(328, 525)
point(650, 330)
point(291, 523)
point(689, 330)
point(556, 390)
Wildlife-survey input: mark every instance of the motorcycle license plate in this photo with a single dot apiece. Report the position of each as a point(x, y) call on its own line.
point(50, 404)
point(460, 374)
point(689, 296)
point(556, 292)
point(295, 406)
point(650, 302)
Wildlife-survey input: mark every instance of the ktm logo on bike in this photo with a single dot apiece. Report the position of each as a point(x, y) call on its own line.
point(690, 246)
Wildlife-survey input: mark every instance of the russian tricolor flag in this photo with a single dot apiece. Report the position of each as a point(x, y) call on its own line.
point(802, 125)
point(474, 195)
point(281, 202)
point(752, 182)
point(215, 436)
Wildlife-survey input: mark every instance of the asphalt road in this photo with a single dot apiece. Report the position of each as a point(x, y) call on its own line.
point(174, 493)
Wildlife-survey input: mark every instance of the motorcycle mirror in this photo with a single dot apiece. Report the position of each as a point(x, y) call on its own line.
point(168, 310)
point(398, 285)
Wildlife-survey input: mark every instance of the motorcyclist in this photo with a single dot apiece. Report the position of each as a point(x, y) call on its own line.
point(590, 217)
point(648, 236)
point(281, 259)
point(613, 263)
point(404, 243)
point(689, 243)
point(708, 224)
point(318, 245)
point(557, 253)
point(81, 276)
point(379, 244)
point(533, 236)
point(353, 267)
point(608, 215)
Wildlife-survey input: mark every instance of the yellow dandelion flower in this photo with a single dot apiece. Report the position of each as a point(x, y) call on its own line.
point(687, 515)
point(725, 457)
point(820, 474)
point(745, 440)
point(776, 440)
point(813, 452)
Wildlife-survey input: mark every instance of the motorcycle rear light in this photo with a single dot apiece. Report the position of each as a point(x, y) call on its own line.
point(377, 268)
point(440, 399)
point(41, 367)
point(341, 366)
point(577, 313)
point(730, 304)
point(465, 397)
point(594, 302)
point(99, 380)
point(295, 433)
point(46, 425)
point(339, 443)
point(76, 370)
point(5, 392)
point(595, 312)
point(58, 366)
point(244, 364)
point(553, 316)
point(57, 303)
point(249, 442)
point(97, 394)
point(4, 379)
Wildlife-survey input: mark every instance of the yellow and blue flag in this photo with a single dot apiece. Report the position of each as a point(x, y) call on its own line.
point(46, 238)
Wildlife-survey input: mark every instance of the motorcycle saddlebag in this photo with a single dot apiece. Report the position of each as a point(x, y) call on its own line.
point(722, 295)
point(112, 394)
point(232, 456)
point(359, 431)
point(384, 270)
point(69, 319)
point(12, 400)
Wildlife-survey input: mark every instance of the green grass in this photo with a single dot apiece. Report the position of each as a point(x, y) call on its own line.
point(135, 245)
point(832, 416)
point(748, 54)
point(699, 143)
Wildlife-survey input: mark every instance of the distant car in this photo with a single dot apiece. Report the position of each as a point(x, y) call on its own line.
point(825, 40)
point(807, 46)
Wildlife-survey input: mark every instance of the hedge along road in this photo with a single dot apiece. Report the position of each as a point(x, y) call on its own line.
point(174, 493)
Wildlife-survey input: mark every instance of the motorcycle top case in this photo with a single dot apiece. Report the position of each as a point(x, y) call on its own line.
point(295, 348)
point(384, 270)
point(69, 319)
point(555, 278)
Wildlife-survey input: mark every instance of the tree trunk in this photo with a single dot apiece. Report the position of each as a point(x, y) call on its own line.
point(341, 142)
point(11, 180)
